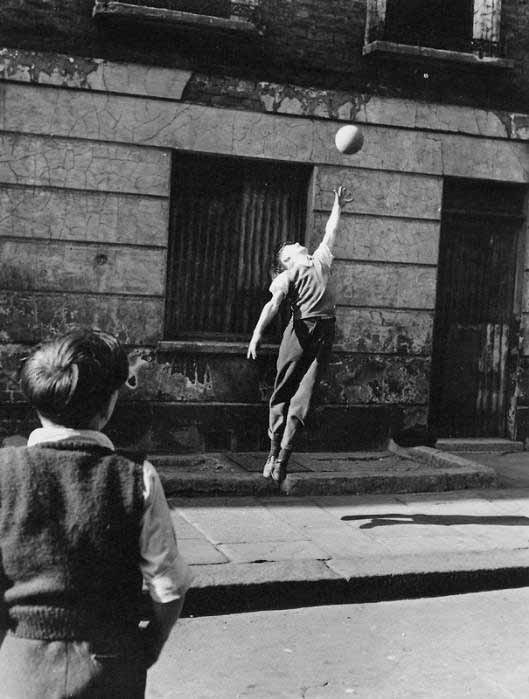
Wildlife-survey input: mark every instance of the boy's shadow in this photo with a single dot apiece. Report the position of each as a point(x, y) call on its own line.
point(384, 520)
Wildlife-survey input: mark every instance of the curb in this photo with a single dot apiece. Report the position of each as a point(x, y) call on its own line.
point(234, 588)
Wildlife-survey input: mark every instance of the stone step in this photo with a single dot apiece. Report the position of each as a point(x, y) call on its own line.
point(479, 445)
point(420, 469)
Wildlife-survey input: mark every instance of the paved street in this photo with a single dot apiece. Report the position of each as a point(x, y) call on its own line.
point(449, 647)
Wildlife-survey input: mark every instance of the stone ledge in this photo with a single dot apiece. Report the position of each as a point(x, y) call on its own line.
point(236, 347)
point(479, 445)
point(434, 457)
point(108, 9)
point(438, 458)
point(217, 476)
point(211, 347)
point(393, 49)
point(422, 480)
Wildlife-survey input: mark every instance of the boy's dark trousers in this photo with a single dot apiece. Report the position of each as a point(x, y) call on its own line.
point(33, 669)
point(303, 352)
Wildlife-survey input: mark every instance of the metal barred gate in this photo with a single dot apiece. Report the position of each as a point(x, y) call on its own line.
point(228, 217)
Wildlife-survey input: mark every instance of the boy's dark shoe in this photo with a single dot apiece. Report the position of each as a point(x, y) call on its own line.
point(279, 471)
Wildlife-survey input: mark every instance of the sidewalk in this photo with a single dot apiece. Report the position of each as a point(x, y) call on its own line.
point(275, 552)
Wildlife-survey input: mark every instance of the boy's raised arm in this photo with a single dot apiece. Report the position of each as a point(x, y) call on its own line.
point(268, 313)
point(340, 198)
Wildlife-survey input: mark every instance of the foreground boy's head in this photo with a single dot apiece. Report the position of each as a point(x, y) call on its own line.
point(73, 379)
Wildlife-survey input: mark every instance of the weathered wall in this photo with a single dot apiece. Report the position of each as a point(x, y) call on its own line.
point(304, 41)
point(84, 200)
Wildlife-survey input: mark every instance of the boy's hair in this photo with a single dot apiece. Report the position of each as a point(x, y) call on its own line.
point(69, 379)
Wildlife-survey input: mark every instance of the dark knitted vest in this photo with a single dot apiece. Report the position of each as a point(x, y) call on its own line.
point(70, 516)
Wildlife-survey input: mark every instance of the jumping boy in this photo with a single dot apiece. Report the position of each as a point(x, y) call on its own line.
point(81, 529)
point(306, 340)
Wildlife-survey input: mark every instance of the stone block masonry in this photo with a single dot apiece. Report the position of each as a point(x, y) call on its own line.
point(82, 216)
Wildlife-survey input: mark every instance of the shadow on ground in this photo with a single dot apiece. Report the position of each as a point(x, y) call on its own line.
point(387, 519)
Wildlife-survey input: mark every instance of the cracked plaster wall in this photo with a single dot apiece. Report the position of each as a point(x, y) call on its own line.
point(102, 181)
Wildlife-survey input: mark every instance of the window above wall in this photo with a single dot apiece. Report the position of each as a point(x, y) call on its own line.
point(464, 31)
point(206, 16)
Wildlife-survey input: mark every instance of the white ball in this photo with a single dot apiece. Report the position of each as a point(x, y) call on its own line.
point(349, 139)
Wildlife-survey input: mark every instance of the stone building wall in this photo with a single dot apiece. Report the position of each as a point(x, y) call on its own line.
point(306, 42)
point(84, 205)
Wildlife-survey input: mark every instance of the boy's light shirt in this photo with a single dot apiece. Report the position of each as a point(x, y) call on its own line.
point(321, 260)
point(165, 572)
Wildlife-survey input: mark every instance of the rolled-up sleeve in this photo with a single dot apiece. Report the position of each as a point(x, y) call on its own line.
point(280, 284)
point(164, 571)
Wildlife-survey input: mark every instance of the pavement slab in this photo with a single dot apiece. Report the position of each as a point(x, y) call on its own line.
point(343, 541)
point(273, 551)
point(201, 552)
point(238, 522)
point(303, 513)
point(183, 527)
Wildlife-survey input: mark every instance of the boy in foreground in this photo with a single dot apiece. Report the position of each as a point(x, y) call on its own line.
point(81, 529)
point(306, 341)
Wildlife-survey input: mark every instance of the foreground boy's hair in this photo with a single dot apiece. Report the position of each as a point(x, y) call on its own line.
point(69, 379)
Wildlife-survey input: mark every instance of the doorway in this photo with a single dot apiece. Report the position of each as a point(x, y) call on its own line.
point(476, 328)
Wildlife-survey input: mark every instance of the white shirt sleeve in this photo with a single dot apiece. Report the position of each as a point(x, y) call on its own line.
point(323, 254)
point(164, 571)
point(280, 284)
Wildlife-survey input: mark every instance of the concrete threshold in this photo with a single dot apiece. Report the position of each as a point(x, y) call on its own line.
point(420, 469)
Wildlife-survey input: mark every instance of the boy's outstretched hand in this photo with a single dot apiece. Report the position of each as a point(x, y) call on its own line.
point(253, 347)
point(342, 196)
